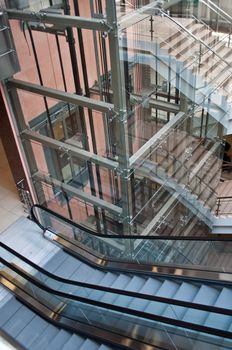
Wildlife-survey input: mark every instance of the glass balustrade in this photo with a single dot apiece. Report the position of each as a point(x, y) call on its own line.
point(201, 253)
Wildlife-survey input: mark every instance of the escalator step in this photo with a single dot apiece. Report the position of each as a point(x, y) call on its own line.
point(135, 285)
point(120, 283)
point(18, 321)
point(83, 273)
point(150, 287)
point(224, 300)
point(186, 292)
point(9, 309)
point(68, 267)
point(167, 289)
point(56, 261)
point(32, 331)
point(74, 343)
point(206, 295)
point(88, 274)
point(107, 281)
point(4, 295)
point(42, 343)
point(60, 340)
point(89, 345)
point(104, 347)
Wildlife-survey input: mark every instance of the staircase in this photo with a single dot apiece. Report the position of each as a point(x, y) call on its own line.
point(191, 57)
point(192, 51)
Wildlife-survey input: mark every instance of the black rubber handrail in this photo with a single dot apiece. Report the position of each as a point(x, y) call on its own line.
point(123, 310)
point(126, 237)
point(132, 294)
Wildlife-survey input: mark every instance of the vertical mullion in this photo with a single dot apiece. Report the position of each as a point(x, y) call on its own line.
point(120, 105)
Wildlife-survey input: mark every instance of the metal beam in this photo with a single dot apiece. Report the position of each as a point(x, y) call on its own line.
point(61, 95)
point(114, 209)
point(158, 137)
point(72, 150)
point(65, 20)
point(158, 104)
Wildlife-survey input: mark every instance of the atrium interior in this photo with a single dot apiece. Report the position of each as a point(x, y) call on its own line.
point(116, 174)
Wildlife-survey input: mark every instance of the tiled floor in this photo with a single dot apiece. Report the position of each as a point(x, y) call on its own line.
point(10, 207)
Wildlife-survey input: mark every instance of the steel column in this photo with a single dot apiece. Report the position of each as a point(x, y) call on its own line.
point(120, 107)
point(27, 151)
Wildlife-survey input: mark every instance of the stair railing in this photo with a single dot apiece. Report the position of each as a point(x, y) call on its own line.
point(197, 60)
point(199, 20)
point(195, 38)
point(224, 38)
point(210, 4)
point(220, 202)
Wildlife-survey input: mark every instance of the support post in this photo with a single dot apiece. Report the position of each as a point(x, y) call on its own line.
point(120, 107)
point(17, 113)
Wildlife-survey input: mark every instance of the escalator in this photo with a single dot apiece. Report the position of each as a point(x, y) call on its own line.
point(160, 305)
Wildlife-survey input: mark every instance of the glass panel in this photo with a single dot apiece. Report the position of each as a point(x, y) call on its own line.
point(212, 255)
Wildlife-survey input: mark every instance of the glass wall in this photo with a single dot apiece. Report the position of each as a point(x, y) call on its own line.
point(146, 147)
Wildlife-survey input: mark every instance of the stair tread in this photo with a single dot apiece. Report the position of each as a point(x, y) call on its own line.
point(18, 321)
point(42, 343)
point(59, 340)
point(206, 295)
point(8, 309)
point(32, 331)
point(107, 281)
point(73, 343)
point(167, 289)
point(56, 261)
point(120, 283)
point(68, 267)
point(186, 292)
point(89, 345)
point(104, 347)
point(224, 300)
point(134, 285)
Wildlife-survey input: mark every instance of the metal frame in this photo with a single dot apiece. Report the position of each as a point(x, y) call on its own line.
point(65, 20)
point(26, 152)
point(114, 209)
point(123, 163)
point(72, 150)
point(61, 95)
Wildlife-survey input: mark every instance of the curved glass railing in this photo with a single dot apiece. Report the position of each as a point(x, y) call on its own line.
point(126, 314)
point(145, 253)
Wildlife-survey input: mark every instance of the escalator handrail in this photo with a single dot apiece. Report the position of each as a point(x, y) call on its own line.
point(211, 238)
point(132, 294)
point(122, 342)
point(121, 309)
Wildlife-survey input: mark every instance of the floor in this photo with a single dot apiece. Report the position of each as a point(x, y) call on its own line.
point(10, 206)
